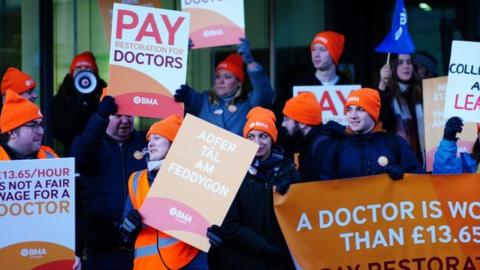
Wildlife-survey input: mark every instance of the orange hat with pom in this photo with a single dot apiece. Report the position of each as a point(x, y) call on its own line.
point(17, 81)
point(85, 59)
point(166, 128)
point(234, 64)
point(333, 41)
point(366, 98)
point(17, 111)
point(262, 119)
point(304, 108)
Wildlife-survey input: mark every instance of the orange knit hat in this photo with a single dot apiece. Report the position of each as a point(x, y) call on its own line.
point(368, 99)
point(234, 64)
point(17, 111)
point(166, 128)
point(17, 81)
point(261, 119)
point(85, 59)
point(304, 108)
point(333, 41)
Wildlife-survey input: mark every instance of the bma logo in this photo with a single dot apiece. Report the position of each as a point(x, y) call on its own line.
point(145, 101)
point(180, 216)
point(354, 98)
point(33, 252)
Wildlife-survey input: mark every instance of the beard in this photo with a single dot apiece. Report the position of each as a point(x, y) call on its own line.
point(293, 140)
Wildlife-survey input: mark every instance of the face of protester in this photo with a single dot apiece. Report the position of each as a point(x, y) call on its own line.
point(359, 120)
point(27, 138)
point(120, 127)
point(158, 147)
point(226, 84)
point(321, 58)
point(30, 95)
point(404, 67)
point(264, 142)
point(291, 126)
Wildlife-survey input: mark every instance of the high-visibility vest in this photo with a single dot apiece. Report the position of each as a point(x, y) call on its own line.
point(44, 152)
point(151, 243)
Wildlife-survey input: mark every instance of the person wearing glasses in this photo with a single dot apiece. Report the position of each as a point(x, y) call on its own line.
point(21, 127)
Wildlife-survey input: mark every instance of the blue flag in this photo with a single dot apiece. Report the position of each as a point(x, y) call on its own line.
point(398, 40)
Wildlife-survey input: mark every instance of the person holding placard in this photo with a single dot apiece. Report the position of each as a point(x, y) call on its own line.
point(155, 249)
point(446, 160)
point(106, 153)
point(21, 126)
point(368, 150)
point(227, 104)
point(402, 105)
point(252, 236)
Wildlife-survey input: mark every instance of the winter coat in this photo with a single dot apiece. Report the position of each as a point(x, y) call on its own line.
point(218, 113)
point(70, 111)
point(447, 162)
point(104, 166)
point(251, 223)
point(358, 155)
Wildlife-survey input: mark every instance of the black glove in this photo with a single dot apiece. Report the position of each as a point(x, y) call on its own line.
point(107, 107)
point(131, 226)
point(215, 235)
point(282, 187)
point(244, 50)
point(272, 251)
point(453, 126)
point(183, 94)
point(394, 171)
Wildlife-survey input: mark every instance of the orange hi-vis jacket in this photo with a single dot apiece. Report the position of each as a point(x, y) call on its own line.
point(151, 243)
point(44, 152)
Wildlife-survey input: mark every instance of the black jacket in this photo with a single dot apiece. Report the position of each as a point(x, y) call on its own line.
point(251, 223)
point(105, 167)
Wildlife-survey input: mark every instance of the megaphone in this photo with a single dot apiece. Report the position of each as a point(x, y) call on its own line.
point(85, 82)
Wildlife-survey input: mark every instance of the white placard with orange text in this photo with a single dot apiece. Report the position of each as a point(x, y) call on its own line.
point(197, 181)
point(37, 214)
point(463, 88)
point(332, 99)
point(215, 23)
point(148, 59)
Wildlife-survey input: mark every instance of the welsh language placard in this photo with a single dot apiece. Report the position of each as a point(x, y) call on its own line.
point(198, 181)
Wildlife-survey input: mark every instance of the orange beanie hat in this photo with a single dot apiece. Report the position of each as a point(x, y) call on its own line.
point(166, 128)
point(304, 108)
point(368, 99)
point(85, 59)
point(234, 64)
point(17, 81)
point(333, 41)
point(17, 111)
point(261, 119)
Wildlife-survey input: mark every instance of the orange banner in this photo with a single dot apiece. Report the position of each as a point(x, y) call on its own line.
point(374, 223)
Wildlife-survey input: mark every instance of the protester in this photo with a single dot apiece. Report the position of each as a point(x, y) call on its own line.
point(227, 104)
point(252, 236)
point(106, 153)
point(368, 150)
point(402, 105)
point(155, 249)
point(72, 103)
point(20, 83)
point(446, 160)
point(304, 133)
point(426, 65)
point(21, 125)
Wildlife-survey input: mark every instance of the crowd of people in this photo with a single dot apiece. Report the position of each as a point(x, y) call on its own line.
point(117, 164)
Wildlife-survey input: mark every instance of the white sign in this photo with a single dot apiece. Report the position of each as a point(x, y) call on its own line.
point(37, 213)
point(463, 88)
point(332, 99)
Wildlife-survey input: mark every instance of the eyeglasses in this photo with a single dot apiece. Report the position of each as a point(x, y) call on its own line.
point(35, 127)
